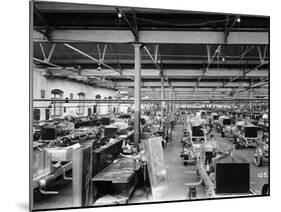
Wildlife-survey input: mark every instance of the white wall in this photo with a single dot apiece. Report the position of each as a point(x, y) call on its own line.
point(67, 86)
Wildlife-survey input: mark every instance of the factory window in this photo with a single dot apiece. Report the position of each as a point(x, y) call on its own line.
point(42, 94)
point(57, 106)
point(81, 105)
point(89, 111)
point(47, 114)
point(36, 114)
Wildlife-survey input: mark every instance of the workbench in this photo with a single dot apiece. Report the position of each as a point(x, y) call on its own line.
point(84, 122)
point(105, 154)
point(119, 178)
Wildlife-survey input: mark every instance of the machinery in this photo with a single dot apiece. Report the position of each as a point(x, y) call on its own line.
point(185, 138)
point(202, 114)
point(224, 126)
point(263, 123)
point(54, 144)
point(192, 143)
point(50, 160)
point(222, 173)
point(214, 118)
point(50, 131)
point(91, 120)
point(255, 117)
point(261, 153)
point(245, 134)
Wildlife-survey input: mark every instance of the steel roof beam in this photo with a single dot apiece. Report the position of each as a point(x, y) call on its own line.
point(209, 63)
point(190, 89)
point(164, 61)
point(47, 31)
point(149, 84)
point(132, 29)
point(90, 57)
point(46, 63)
point(175, 73)
point(228, 29)
point(153, 37)
point(151, 57)
point(51, 52)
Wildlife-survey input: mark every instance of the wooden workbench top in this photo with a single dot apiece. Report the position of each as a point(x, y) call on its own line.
point(120, 171)
point(100, 149)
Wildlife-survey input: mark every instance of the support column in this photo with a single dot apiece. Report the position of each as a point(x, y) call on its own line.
point(174, 97)
point(31, 153)
point(137, 94)
point(162, 87)
point(162, 97)
point(170, 97)
point(250, 97)
point(171, 116)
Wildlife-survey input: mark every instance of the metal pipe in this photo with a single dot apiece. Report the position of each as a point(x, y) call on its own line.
point(47, 63)
point(151, 100)
point(246, 72)
point(51, 52)
point(43, 52)
point(209, 63)
point(155, 62)
point(195, 183)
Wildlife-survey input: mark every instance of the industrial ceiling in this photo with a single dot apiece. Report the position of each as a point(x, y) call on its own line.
point(195, 54)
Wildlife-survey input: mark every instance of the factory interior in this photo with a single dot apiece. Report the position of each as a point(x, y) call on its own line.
point(138, 105)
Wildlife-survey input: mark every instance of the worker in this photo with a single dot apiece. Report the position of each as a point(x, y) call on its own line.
point(69, 124)
point(210, 149)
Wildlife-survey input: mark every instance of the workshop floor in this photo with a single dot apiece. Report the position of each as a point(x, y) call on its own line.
point(177, 175)
point(61, 200)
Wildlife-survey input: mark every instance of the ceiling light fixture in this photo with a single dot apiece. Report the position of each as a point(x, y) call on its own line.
point(99, 67)
point(238, 20)
point(119, 15)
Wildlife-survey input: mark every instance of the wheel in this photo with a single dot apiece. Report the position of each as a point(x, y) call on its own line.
point(203, 183)
point(257, 158)
point(237, 146)
point(37, 135)
point(65, 141)
point(208, 129)
point(192, 192)
point(185, 162)
point(265, 190)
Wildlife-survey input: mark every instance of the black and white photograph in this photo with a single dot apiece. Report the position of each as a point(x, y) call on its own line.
point(137, 105)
